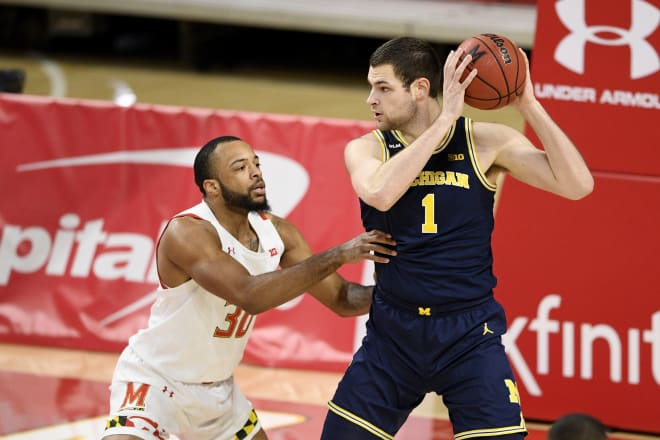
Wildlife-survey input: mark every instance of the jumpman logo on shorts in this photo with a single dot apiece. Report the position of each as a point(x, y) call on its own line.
point(486, 329)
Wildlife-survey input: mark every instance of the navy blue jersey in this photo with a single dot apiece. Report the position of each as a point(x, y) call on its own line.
point(442, 226)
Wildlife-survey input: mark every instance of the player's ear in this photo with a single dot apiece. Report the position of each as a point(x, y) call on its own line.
point(420, 88)
point(211, 186)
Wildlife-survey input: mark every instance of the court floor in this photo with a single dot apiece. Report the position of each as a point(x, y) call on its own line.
point(58, 394)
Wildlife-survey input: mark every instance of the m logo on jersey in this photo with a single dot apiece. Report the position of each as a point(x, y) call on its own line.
point(570, 51)
point(134, 397)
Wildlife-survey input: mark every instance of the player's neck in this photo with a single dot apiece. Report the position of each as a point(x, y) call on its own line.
point(420, 122)
point(234, 220)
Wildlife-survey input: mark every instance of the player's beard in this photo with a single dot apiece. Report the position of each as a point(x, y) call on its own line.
point(237, 200)
point(401, 118)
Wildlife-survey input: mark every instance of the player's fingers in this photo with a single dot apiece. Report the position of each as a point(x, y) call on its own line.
point(451, 59)
point(376, 236)
point(377, 258)
point(468, 79)
point(382, 250)
point(463, 64)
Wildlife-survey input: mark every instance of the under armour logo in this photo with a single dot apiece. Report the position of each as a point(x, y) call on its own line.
point(486, 329)
point(645, 19)
point(231, 250)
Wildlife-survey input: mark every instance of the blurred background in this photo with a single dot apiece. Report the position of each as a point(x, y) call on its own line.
point(295, 57)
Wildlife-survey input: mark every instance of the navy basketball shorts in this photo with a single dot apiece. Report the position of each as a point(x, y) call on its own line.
point(405, 355)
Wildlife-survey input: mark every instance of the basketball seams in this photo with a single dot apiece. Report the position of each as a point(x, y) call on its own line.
point(520, 73)
point(501, 73)
point(498, 59)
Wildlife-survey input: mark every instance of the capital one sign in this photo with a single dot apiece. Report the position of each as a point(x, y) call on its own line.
point(645, 19)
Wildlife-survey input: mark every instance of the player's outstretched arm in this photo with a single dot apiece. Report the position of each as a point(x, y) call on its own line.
point(341, 296)
point(192, 247)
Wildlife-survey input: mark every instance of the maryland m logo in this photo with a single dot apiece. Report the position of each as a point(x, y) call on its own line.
point(135, 398)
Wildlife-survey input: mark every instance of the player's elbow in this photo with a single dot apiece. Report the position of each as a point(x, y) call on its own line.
point(252, 309)
point(250, 303)
point(583, 189)
point(354, 300)
point(346, 310)
point(376, 194)
point(379, 201)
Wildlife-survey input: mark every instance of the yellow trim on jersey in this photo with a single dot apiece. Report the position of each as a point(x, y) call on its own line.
point(441, 146)
point(399, 137)
point(445, 140)
point(381, 140)
point(491, 432)
point(248, 427)
point(341, 412)
point(473, 157)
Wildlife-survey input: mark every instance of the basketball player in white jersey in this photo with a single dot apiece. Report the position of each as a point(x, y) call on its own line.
point(220, 263)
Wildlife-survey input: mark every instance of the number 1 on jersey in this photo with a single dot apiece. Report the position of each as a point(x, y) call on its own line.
point(429, 226)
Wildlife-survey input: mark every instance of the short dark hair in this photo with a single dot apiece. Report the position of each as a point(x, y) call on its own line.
point(577, 426)
point(411, 58)
point(202, 165)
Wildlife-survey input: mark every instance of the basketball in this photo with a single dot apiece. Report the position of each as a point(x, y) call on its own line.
point(500, 68)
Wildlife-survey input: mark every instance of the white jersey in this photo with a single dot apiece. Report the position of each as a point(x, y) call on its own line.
point(194, 336)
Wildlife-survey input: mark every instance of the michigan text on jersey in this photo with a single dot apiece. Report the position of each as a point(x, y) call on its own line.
point(428, 178)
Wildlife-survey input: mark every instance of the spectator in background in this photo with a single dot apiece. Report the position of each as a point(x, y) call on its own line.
point(577, 426)
point(12, 80)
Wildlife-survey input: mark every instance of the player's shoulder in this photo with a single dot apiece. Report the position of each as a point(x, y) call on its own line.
point(186, 224)
point(365, 142)
point(494, 135)
point(187, 221)
point(280, 223)
point(288, 232)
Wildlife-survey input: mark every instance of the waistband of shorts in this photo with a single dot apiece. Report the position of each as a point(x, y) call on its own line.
point(433, 310)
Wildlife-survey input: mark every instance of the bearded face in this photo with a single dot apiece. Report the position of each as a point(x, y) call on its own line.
point(245, 201)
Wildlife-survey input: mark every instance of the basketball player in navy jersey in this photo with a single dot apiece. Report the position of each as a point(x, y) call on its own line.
point(428, 176)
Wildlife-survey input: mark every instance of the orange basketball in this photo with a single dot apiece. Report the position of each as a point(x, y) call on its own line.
point(500, 71)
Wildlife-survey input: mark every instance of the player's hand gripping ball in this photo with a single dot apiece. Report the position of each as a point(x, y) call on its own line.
point(501, 71)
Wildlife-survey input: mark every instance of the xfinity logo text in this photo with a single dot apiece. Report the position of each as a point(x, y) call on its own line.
point(570, 52)
point(581, 338)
